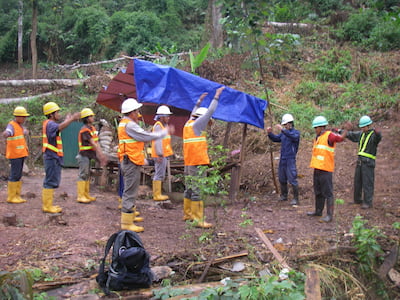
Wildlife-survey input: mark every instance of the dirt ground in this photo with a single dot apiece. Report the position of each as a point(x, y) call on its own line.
point(70, 253)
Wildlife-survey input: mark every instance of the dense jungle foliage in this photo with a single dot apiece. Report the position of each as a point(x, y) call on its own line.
point(88, 30)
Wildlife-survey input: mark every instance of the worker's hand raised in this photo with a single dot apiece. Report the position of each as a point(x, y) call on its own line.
point(268, 130)
point(201, 98)
point(278, 126)
point(218, 92)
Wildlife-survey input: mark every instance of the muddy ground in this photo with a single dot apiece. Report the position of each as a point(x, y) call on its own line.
point(70, 253)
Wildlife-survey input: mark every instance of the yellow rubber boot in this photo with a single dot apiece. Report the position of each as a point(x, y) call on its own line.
point(157, 191)
point(12, 193)
point(18, 195)
point(81, 187)
point(197, 208)
point(135, 216)
point(187, 210)
point(127, 223)
point(47, 202)
point(87, 191)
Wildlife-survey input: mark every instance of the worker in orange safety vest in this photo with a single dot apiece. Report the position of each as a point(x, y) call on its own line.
point(323, 163)
point(132, 157)
point(16, 152)
point(161, 151)
point(195, 154)
point(88, 149)
point(53, 153)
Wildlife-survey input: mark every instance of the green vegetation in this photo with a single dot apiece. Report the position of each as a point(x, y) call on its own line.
point(263, 288)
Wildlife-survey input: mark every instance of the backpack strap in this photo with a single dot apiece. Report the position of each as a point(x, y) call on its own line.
point(102, 274)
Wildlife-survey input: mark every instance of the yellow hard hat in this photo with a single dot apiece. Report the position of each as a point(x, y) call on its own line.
point(50, 107)
point(86, 112)
point(20, 111)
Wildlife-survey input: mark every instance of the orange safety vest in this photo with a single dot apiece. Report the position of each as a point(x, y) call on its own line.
point(93, 132)
point(58, 148)
point(166, 143)
point(195, 148)
point(129, 146)
point(323, 155)
point(16, 144)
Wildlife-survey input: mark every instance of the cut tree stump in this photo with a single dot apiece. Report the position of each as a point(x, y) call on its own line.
point(10, 219)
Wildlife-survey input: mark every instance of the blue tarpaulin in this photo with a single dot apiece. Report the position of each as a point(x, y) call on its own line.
point(166, 85)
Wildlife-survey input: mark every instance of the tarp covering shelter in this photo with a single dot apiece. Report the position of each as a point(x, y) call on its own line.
point(154, 84)
point(166, 85)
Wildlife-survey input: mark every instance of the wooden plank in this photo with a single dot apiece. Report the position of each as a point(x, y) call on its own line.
point(271, 247)
point(312, 287)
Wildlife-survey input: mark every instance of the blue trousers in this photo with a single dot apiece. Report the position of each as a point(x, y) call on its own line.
point(17, 165)
point(287, 171)
point(52, 168)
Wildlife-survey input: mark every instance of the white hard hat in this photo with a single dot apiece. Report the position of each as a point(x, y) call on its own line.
point(286, 119)
point(163, 110)
point(200, 111)
point(129, 105)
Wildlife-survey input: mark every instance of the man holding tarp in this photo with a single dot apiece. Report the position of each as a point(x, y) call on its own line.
point(195, 154)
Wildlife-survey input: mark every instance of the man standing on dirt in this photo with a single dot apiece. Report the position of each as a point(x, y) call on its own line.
point(161, 150)
point(131, 153)
point(53, 153)
point(16, 152)
point(323, 162)
point(364, 177)
point(89, 148)
point(287, 171)
point(195, 154)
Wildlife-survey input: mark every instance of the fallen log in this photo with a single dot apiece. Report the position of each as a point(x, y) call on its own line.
point(36, 82)
point(271, 247)
point(20, 99)
point(389, 262)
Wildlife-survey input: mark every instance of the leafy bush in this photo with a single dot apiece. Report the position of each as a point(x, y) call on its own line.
point(384, 36)
point(334, 66)
point(358, 26)
point(365, 240)
point(91, 31)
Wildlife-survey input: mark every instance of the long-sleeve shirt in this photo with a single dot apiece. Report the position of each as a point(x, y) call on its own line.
point(138, 133)
point(289, 140)
point(201, 122)
point(372, 143)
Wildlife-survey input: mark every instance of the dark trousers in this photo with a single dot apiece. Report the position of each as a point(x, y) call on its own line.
point(364, 178)
point(17, 165)
point(323, 190)
point(52, 169)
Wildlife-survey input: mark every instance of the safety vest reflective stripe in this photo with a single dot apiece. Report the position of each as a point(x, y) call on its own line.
point(363, 145)
point(323, 147)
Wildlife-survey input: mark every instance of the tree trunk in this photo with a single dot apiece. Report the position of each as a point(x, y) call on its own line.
point(33, 38)
point(215, 28)
point(20, 32)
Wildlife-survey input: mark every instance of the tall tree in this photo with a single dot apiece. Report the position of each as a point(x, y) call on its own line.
point(216, 39)
point(33, 38)
point(20, 32)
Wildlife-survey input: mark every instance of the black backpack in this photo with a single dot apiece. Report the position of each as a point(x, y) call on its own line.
point(130, 264)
